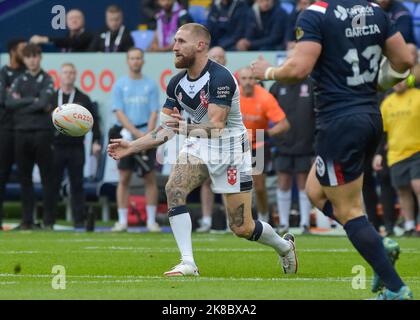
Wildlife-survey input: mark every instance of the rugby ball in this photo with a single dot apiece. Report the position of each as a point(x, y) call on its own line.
point(72, 119)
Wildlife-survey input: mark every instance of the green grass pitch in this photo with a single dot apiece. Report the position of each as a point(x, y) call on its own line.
point(130, 266)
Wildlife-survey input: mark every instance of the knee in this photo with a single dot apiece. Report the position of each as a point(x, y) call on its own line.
point(244, 231)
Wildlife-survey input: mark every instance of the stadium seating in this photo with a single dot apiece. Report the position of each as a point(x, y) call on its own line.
point(142, 38)
point(198, 14)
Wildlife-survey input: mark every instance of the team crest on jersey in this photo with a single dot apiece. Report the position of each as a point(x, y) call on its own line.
point(320, 166)
point(180, 96)
point(203, 99)
point(232, 173)
point(299, 33)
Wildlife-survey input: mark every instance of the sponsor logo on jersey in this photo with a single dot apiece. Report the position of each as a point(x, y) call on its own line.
point(232, 173)
point(340, 13)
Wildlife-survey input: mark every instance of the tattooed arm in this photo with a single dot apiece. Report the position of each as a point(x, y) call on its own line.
point(119, 148)
point(212, 129)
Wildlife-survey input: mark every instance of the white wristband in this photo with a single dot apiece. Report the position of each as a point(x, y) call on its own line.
point(165, 118)
point(268, 75)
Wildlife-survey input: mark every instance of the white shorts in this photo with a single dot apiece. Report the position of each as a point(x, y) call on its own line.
point(228, 161)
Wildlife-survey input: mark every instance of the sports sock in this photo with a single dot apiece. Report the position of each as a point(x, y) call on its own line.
point(264, 233)
point(370, 246)
point(206, 221)
point(284, 202)
point(304, 208)
point(151, 214)
point(181, 225)
point(123, 216)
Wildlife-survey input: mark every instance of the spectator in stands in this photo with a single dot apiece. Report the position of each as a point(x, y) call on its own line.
point(29, 99)
point(226, 23)
point(136, 105)
point(171, 16)
point(206, 194)
point(291, 32)
point(259, 108)
point(116, 37)
point(266, 27)
point(77, 39)
point(8, 74)
point(150, 9)
point(294, 154)
point(401, 17)
point(69, 152)
point(401, 116)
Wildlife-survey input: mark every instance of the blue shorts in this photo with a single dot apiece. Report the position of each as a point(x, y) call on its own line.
point(343, 145)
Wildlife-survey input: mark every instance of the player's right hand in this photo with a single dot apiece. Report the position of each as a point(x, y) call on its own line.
point(377, 162)
point(119, 148)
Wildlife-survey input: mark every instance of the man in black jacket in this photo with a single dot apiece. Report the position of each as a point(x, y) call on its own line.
point(294, 149)
point(116, 37)
point(8, 74)
point(77, 40)
point(69, 152)
point(29, 100)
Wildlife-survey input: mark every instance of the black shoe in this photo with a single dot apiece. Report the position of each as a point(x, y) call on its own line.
point(27, 226)
point(306, 230)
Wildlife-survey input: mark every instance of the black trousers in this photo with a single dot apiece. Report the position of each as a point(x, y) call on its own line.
point(72, 158)
point(387, 198)
point(35, 147)
point(370, 197)
point(7, 157)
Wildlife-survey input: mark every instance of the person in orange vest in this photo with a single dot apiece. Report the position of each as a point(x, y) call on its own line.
point(259, 108)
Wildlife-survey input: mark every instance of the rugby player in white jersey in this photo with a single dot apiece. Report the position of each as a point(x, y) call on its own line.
point(216, 146)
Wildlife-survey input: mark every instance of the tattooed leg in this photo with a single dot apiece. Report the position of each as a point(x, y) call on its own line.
point(239, 214)
point(187, 174)
point(243, 225)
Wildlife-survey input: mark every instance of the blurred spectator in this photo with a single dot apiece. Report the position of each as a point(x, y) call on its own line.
point(69, 152)
point(266, 27)
point(226, 23)
point(77, 40)
point(401, 17)
point(136, 105)
point(171, 16)
point(116, 37)
point(150, 9)
point(295, 150)
point(259, 108)
point(29, 99)
point(206, 194)
point(291, 32)
point(401, 117)
point(7, 75)
point(218, 54)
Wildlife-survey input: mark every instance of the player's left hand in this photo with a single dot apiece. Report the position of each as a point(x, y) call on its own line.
point(259, 66)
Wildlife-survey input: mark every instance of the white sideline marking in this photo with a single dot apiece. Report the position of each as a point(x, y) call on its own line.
point(132, 278)
point(96, 249)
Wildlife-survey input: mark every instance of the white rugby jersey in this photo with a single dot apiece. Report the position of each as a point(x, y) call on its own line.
point(217, 85)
